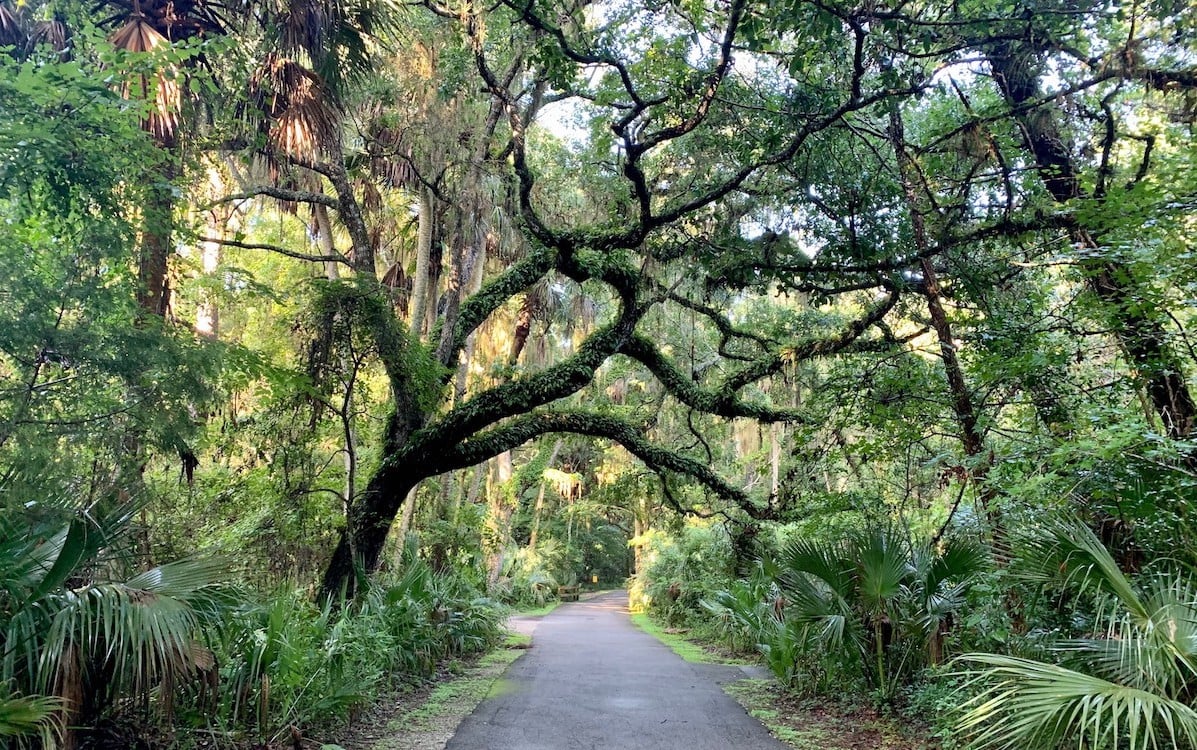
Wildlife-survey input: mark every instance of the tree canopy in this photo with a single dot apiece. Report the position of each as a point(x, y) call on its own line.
point(330, 272)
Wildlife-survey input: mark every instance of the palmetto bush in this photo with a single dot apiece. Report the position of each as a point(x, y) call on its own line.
point(1130, 683)
point(78, 627)
point(745, 614)
point(29, 716)
point(871, 607)
point(289, 662)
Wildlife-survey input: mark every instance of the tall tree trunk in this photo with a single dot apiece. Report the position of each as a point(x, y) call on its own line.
point(423, 273)
point(153, 293)
point(539, 509)
point(1017, 68)
point(501, 508)
point(963, 407)
point(217, 221)
point(324, 235)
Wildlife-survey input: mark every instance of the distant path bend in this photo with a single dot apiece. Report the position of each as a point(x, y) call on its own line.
point(592, 679)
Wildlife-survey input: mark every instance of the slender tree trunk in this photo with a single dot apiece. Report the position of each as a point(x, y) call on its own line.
point(324, 235)
point(963, 407)
point(523, 327)
point(423, 272)
point(207, 313)
point(539, 509)
point(501, 508)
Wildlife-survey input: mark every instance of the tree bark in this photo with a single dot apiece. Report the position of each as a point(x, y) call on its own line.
point(153, 293)
point(423, 272)
point(963, 407)
point(1142, 336)
point(332, 270)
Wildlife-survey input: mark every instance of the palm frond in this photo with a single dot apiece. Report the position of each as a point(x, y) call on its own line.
point(161, 90)
point(30, 716)
point(298, 107)
point(1026, 704)
point(1070, 554)
point(11, 31)
point(882, 567)
point(141, 633)
point(1158, 653)
point(802, 560)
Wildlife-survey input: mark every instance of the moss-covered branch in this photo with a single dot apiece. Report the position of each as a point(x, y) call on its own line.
point(475, 310)
point(773, 364)
point(627, 433)
point(723, 402)
point(523, 394)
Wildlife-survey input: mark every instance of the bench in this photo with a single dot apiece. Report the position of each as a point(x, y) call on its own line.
point(568, 593)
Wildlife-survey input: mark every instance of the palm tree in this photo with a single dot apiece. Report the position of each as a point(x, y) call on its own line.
point(74, 629)
point(1129, 685)
point(150, 26)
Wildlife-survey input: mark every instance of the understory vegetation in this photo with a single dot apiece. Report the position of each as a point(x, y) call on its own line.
point(851, 336)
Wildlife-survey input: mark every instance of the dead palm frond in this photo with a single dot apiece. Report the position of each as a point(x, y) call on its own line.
point(296, 106)
point(159, 89)
point(12, 33)
point(53, 33)
point(335, 39)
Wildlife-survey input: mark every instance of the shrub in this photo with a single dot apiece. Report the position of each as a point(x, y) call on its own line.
point(680, 573)
point(288, 662)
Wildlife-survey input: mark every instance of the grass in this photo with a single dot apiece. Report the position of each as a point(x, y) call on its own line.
point(691, 650)
point(811, 724)
point(540, 611)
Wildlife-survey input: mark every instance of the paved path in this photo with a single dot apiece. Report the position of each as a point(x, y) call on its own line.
point(592, 679)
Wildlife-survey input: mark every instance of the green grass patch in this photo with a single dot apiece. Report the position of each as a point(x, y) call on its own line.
point(452, 700)
point(684, 647)
point(758, 700)
point(540, 611)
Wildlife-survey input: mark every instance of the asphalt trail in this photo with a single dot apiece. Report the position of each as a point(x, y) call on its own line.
point(592, 679)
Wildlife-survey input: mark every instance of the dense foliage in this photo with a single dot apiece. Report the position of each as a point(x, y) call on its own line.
point(856, 332)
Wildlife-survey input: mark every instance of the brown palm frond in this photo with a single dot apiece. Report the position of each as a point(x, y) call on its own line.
point(298, 107)
point(391, 157)
point(304, 27)
point(11, 31)
point(137, 35)
point(400, 285)
point(53, 33)
point(371, 198)
point(176, 20)
point(161, 88)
